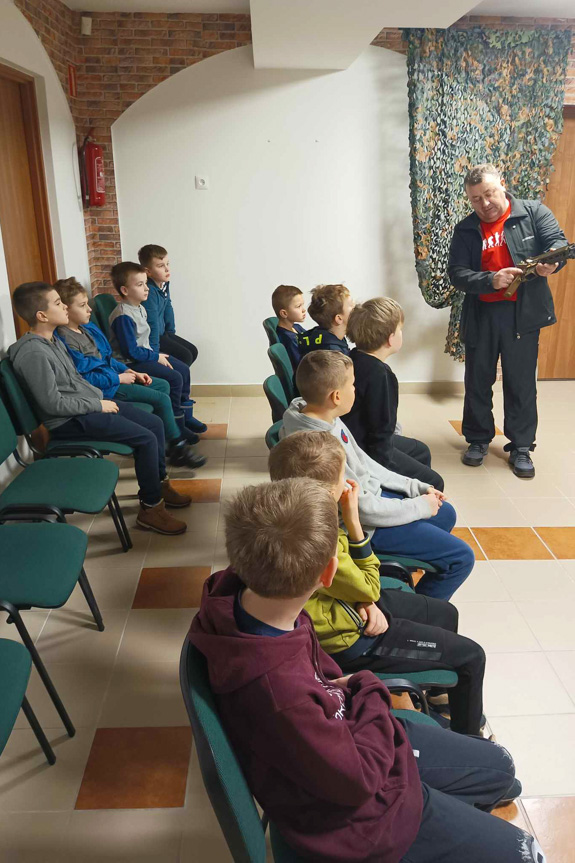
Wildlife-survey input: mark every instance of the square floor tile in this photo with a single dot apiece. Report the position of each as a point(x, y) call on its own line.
point(212, 470)
point(465, 534)
point(33, 620)
point(194, 548)
point(33, 837)
point(247, 447)
point(129, 836)
point(561, 540)
point(147, 695)
point(541, 485)
point(489, 512)
point(482, 585)
point(546, 511)
point(519, 683)
point(553, 820)
point(497, 626)
point(172, 587)
point(542, 750)
point(203, 839)
point(81, 693)
point(112, 589)
point(216, 431)
point(551, 622)
point(476, 484)
point(563, 661)
point(506, 543)
point(213, 410)
point(201, 490)
point(257, 465)
point(535, 580)
point(71, 637)
point(136, 768)
point(154, 635)
point(456, 424)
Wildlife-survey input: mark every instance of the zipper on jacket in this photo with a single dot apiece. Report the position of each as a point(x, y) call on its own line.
point(353, 614)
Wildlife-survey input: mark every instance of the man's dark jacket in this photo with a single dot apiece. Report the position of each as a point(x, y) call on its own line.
point(530, 229)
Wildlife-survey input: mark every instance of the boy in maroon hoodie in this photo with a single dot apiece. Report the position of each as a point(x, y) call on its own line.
point(343, 780)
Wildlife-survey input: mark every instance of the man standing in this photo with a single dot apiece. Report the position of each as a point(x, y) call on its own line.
point(485, 247)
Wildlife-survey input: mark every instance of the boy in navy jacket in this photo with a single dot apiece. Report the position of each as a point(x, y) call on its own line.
point(330, 308)
point(288, 304)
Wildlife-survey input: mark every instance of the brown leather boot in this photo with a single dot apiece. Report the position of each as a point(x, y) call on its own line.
point(172, 497)
point(156, 518)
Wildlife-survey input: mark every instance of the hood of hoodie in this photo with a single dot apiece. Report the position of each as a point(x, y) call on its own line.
point(295, 420)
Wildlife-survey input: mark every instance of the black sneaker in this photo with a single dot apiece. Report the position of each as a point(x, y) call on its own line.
point(520, 461)
point(474, 454)
point(182, 455)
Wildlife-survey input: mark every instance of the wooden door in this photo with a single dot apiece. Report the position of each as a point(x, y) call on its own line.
point(24, 215)
point(557, 343)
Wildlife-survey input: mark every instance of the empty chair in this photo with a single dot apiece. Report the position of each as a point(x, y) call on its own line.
point(276, 397)
point(103, 305)
point(283, 368)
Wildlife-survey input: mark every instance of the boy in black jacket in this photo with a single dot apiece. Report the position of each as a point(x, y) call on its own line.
point(330, 308)
point(376, 327)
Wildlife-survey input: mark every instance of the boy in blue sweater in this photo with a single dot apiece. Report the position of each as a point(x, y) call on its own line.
point(130, 340)
point(288, 304)
point(159, 307)
point(92, 355)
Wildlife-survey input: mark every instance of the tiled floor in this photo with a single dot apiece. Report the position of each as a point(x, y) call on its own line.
point(127, 788)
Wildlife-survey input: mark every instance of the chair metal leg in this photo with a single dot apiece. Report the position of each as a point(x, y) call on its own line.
point(122, 520)
point(40, 667)
point(90, 599)
point(40, 736)
point(119, 523)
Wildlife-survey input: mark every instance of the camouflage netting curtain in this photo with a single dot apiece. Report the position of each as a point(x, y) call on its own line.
point(476, 96)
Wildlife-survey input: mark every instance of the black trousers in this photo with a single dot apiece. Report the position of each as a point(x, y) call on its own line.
point(178, 347)
point(411, 457)
point(422, 636)
point(496, 335)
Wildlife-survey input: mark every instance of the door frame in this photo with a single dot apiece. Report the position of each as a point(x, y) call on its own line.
point(27, 87)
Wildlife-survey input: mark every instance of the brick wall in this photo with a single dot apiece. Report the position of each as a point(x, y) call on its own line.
point(129, 53)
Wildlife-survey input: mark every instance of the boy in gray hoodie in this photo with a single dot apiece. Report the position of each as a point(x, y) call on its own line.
point(402, 516)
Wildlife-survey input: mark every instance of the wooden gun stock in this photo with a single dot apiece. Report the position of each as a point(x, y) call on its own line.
point(554, 256)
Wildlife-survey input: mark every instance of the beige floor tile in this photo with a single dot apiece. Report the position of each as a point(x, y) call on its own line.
point(563, 661)
point(232, 484)
point(489, 512)
point(144, 695)
point(213, 469)
point(497, 626)
point(565, 482)
point(569, 567)
point(203, 838)
point(81, 692)
point(546, 511)
point(540, 746)
point(200, 518)
point(33, 837)
point(551, 622)
point(71, 637)
point(154, 635)
point(246, 447)
point(112, 590)
point(483, 585)
point(517, 684)
point(477, 485)
point(33, 620)
point(29, 784)
point(213, 410)
point(194, 548)
point(542, 484)
point(450, 463)
point(212, 449)
point(125, 836)
point(535, 580)
point(247, 466)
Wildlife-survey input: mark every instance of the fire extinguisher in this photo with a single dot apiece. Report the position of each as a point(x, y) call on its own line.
point(92, 173)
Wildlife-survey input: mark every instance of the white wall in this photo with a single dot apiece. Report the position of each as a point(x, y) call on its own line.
point(308, 184)
point(21, 48)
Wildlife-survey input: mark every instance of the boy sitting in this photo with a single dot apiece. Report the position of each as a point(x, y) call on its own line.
point(288, 304)
point(340, 777)
point(92, 355)
point(362, 626)
point(376, 327)
point(130, 340)
point(159, 307)
point(404, 516)
point(73, 409)
point(330, 308)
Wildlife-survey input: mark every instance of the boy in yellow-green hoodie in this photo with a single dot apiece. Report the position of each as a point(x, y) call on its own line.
point(363, 626)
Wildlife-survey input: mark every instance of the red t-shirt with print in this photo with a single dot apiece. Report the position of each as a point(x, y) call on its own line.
point(495, 255)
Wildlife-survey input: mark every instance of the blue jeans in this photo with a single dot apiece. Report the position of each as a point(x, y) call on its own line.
point(142, 431)
point(178, 378)
point(429, 540)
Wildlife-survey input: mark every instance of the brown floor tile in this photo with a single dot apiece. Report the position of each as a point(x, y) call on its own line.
point(465, 534)
point(136, 768)
point(514, 813)
point(510, 543)
point(171, 587)
point(457, 426)
point(201, 490)
point(561, 540)
point(216, 431)
point(553, 820)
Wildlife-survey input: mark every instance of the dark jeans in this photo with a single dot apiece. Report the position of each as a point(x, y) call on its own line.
point(422, 636)
point(178, 347)
point(429, 540)
point(496, 335)
point(178, 378)
point(157, 395)
point(142, 431)
point(463, 778)
point(411, 457)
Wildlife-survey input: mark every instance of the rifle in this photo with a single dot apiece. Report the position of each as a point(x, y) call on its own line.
point(554, 256)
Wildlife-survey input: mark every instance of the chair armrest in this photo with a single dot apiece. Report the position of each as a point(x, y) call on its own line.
point(31, 512)
point(394, 569)
point(400, 684)
point(71, 449)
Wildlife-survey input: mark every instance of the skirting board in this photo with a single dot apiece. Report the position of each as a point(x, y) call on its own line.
point(448, 388)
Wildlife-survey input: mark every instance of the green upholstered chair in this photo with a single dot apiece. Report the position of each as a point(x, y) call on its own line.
point(283, 369)
point(102, 306)
point(270, 325)
point(273, 435)
point(15, 665)
point(68, 484)
point(276, 397)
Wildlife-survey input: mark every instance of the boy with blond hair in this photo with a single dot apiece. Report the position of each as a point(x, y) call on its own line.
point(376, 327)
point(403, 516)
point(288, 304)
point(359, 624)
point(339, 776)
point(330, 308)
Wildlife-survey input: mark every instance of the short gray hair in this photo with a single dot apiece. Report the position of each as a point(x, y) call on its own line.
point(476, 174)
